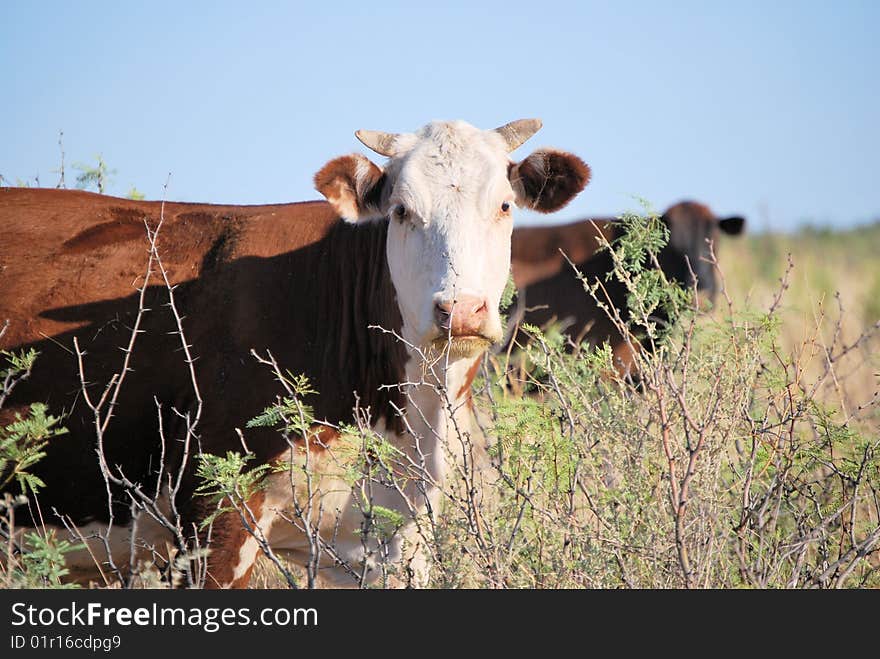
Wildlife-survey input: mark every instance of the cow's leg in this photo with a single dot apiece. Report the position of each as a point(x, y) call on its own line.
point(235, 542)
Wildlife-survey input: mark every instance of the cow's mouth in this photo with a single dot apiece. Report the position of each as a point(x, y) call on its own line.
point(462, 345)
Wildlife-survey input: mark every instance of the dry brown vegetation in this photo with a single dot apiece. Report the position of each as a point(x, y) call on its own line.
point(745, 457)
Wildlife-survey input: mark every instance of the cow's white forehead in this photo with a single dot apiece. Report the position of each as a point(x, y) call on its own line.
point(451, 140)
point(448, 159)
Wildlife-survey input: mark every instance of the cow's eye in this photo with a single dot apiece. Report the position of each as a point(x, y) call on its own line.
point(505, 207)
point(399, 212)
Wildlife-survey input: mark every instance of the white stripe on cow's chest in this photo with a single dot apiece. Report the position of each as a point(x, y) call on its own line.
point(337, 509)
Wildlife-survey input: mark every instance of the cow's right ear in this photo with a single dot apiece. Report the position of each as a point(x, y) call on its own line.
point(732, 226)
point(548, 179)
point(353, 186)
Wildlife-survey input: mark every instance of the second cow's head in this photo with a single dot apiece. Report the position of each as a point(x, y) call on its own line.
point(448, 193)
point(693, 228)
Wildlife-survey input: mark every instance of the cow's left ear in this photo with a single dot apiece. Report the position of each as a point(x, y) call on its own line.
point(732, 226)
point(353, 186)
point(547, 180)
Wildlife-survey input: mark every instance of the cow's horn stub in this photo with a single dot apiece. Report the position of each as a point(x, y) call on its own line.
point(381, 143)
point(517, 132)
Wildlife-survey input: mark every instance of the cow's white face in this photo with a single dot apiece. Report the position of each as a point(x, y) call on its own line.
point(449, 235)
point(448, 193)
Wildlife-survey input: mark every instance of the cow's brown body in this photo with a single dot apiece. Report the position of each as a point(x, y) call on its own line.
point(291, 278)
point(549, 288)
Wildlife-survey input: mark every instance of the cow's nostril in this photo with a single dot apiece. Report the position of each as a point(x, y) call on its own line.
point(442, 313)
point(463, 316)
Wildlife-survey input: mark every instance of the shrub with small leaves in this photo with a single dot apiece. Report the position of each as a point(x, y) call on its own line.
point(42, 564)
point(22, 443)
point(227, 481)
point(733, 461)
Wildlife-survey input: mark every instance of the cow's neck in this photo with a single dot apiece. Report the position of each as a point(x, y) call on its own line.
point(356, 327)
point(358, 298)
point(437, 424)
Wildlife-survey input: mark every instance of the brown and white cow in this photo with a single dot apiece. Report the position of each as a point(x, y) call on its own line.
point(549, 289)
point(419, 247)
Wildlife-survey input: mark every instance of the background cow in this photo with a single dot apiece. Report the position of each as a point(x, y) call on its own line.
point(549, 289)
point(144, 315)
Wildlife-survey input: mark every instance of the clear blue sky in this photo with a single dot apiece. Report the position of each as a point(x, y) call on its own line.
point(766, 109)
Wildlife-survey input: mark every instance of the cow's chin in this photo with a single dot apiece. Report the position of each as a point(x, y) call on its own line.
point(461, 347)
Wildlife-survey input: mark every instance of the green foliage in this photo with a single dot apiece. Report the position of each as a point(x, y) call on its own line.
point(43, 564)
point(97, 175)
point(134, 193)
point(17, 362)
point(653, 302)
point(530, 436)
point(648, 290)
point(382, 522)
point(364, 454)
point(643, 235)
point(227, 482)
point(296, 417)
point(40, 563)
point(509, 293)
point(22, 443)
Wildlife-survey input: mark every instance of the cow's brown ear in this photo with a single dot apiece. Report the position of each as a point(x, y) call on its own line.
point(547, 180)
point(353, 186)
